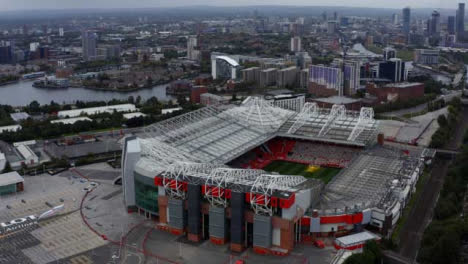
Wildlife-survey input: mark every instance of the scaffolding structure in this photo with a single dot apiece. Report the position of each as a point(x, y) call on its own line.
point(264, 186)
point(336, 125)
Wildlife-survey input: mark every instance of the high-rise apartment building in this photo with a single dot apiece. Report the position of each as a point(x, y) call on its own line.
point(406, 20)
point(296, 44)
point(88, 43)
point(192, 52)
point(460, 20)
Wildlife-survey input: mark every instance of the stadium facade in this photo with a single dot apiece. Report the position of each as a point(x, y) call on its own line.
point(200, 174)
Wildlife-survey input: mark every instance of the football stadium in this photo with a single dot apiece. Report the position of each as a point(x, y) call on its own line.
point(270, 174)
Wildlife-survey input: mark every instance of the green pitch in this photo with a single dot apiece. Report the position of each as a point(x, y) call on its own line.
point(291, 168)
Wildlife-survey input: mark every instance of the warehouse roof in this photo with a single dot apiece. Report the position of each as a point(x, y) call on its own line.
point(10, 178)
point(357, 238)
point(97, 110)
point(69, 121)
point(336, 100)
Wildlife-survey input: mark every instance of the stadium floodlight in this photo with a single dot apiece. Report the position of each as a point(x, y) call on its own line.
point(309, 111)
point(338, 112)
point(366, 118)
point(265, 185)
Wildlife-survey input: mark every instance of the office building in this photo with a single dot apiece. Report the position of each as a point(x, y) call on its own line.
point(89, 41)
point(224, 67)
point(7, 52)
point(426, 56)
point(460, 20)
point(406, 20)
point(434, 24)
point(296, 44)
point(61, 32)
point(393, 70)
point(389, 53)
point(451, 25)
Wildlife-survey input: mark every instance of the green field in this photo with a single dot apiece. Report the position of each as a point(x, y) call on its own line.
point(291, 168)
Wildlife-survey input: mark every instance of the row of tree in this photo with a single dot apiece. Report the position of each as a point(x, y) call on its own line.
point(443, 238)
point(447, 125)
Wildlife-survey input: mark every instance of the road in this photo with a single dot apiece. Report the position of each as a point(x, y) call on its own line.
point(421, 214)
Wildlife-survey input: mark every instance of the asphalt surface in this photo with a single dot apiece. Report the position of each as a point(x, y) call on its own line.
point(421, 214)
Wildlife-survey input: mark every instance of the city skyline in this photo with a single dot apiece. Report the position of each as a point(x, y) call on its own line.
point(6, 5)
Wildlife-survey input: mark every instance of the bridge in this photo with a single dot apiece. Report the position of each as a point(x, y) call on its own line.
point(447, 153)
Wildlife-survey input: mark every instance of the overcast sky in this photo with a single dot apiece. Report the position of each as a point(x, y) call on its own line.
point(65, 4)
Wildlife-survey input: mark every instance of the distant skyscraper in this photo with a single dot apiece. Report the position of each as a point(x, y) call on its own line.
point(88, 41)
point(296, 44)
point(406, 20)
point(460, 20)
point(324, 16)
point(395, 19)
point(335, 16)
point(61, 32)
point(331, 28)
point(435, 24)
point(451, 25)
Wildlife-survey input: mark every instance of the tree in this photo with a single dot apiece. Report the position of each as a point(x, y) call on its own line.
point(34, 107)
point(131, 99)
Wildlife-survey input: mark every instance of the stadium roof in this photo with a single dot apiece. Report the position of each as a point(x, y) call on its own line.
point(219, 134)
point(369, 178)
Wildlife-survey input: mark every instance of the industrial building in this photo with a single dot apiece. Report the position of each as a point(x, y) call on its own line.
point(202, 174)
point(396, 91)
point(70, 121)
point(97, 110)
point(10, 183)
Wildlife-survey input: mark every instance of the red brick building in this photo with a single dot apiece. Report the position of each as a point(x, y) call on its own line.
point(195, 93)
point(320, 90)
point(396, 91)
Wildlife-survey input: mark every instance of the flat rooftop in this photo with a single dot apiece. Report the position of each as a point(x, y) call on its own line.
point(402, 85)
point(336, 100)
